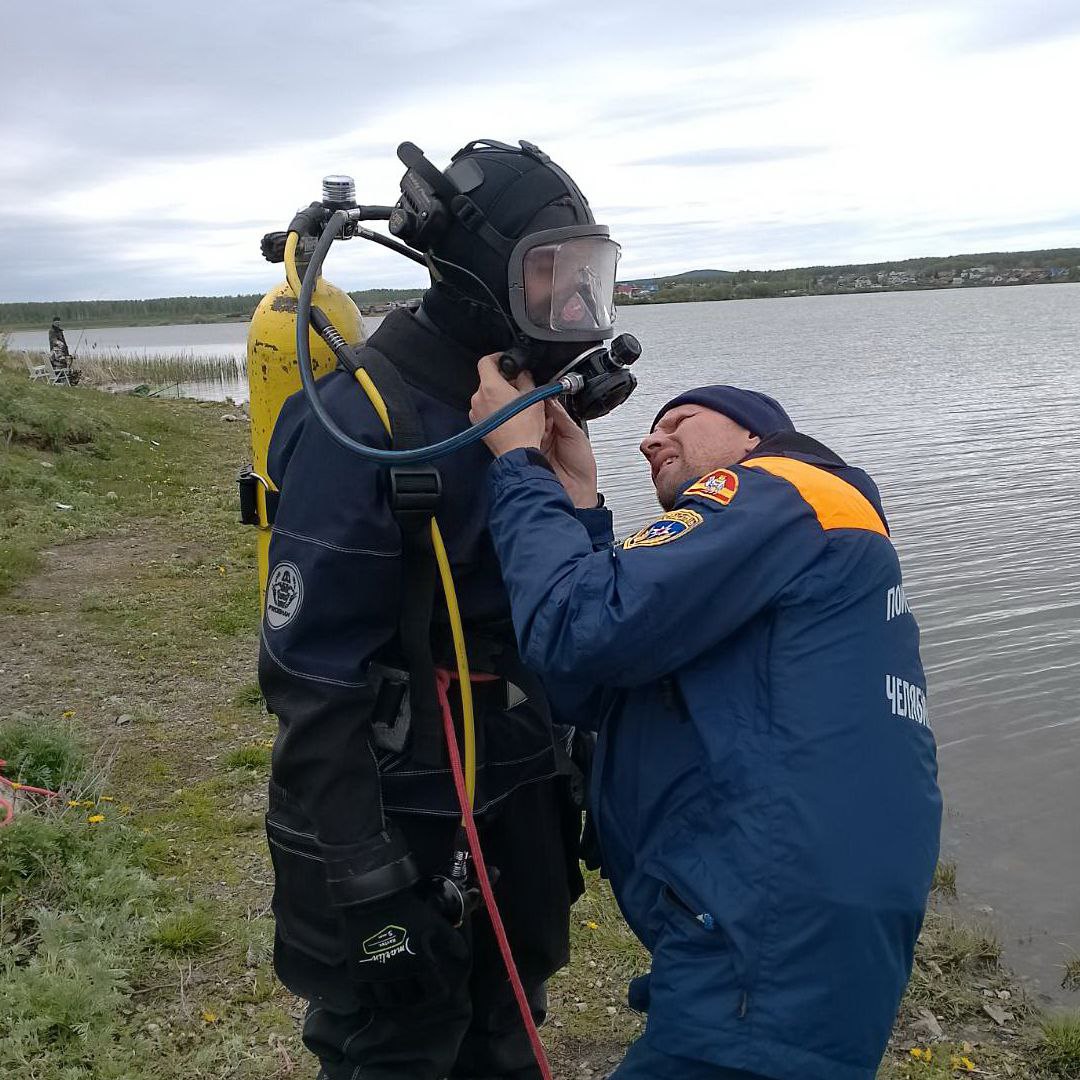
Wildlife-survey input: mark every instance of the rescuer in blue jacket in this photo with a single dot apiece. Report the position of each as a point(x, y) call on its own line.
point(764, 785)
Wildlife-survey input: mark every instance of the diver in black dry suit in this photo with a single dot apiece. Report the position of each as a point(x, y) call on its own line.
point(362, 807)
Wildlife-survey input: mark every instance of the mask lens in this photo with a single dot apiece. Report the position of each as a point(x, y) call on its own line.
point(571, 285)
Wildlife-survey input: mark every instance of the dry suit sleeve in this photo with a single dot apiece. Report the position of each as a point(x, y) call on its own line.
point(333, 599)
point(628, 615)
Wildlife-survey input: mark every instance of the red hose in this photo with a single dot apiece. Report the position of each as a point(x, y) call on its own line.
point(442, 680)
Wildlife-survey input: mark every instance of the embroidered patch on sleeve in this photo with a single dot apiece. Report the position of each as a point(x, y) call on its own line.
point(284, 595)
point(671, 526)
point(719, 486)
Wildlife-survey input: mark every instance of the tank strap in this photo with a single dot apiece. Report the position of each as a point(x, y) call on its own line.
point(413, 492)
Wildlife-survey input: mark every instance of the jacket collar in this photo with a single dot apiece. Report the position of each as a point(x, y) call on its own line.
point(428, 359)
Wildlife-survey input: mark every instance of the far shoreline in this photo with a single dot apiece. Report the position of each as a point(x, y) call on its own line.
point(206, 320)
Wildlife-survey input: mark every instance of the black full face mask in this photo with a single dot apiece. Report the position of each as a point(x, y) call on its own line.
point(515, 255)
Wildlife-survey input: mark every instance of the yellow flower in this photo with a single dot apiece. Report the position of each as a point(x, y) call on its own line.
point(209, 1017)
point(14, 786)
point(94, 819)
point(73, 802)
point(106, 798)
point(964, 1064)
point(221, 570)
point(592, 925)
point(67, 714)
point(922, 1053)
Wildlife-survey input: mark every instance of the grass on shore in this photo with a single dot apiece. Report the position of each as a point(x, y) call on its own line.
point(78, 463)
point(108, 369)
point(104, 369)
point(138, 944)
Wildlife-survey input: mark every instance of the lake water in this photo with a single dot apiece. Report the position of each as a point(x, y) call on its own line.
point(965, 407)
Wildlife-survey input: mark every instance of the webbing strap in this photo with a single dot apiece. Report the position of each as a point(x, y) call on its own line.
point(413, 493)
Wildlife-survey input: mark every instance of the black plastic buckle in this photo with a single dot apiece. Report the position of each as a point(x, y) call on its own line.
point(249, 497)
point(534, 151)
point(415, 491)
point(249, 482)
point(467, 212)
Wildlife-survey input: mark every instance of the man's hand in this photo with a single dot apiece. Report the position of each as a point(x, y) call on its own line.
point(570, 454)
point(524, 430)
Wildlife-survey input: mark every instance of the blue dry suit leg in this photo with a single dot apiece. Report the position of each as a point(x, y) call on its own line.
point(644, 1062)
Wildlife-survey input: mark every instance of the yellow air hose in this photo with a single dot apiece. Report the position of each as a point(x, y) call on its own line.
point(468, 723)
point(291, 276)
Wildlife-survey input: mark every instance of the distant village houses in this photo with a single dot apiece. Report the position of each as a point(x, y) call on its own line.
point(635, 292)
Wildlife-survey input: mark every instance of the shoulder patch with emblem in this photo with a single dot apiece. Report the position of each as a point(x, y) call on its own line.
point(671, 526)
point(718, 486)
point(284, 595)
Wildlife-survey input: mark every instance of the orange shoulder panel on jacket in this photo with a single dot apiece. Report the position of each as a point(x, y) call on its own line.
point(836, 503)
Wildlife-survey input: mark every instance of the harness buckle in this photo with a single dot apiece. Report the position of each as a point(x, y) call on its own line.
point(414, 493)
point(468, 213)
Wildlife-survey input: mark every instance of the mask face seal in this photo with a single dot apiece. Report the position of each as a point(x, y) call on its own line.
point(562, 283)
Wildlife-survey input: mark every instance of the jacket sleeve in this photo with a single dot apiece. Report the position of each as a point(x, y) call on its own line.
point(581, 703)
point(626, 616)
point(333, 599)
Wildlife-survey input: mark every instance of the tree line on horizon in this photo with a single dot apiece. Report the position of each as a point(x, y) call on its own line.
point(927, 272)
point(692, 285)
point(166, 309)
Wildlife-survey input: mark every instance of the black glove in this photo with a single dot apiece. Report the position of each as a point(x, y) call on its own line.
point(402, 951)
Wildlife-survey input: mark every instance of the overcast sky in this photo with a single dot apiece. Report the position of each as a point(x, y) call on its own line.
point(145, 147)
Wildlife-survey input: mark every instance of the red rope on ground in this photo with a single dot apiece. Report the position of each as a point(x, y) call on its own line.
point(442, 680)
point(9, 804)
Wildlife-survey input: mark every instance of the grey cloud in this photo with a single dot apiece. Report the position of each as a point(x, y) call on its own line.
point(736, 246)
point(674, 108)
point(94, 262)
point(101, 89)
point(1001, 25)
point(732, 155)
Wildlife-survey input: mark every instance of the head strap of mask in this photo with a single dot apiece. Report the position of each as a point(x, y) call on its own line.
point(431, 198)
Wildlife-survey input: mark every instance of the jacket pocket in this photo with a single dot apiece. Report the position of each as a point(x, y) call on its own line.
point(692, 935)
point(306, 919)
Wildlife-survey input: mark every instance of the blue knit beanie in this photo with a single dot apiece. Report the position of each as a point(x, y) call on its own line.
point(760, 414)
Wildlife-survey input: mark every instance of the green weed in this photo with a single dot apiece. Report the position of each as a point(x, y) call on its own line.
point(250, 695)
point(1071, 979)
point(189, 932)
point(34, 846)
point(17, 561)
point(944, 883)
point(1059, 1048)
point(256, 758)
point(40, 753)
point(950, 959)
point(236, 612)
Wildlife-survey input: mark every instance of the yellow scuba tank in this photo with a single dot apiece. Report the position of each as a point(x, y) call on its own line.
point(273, 376)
